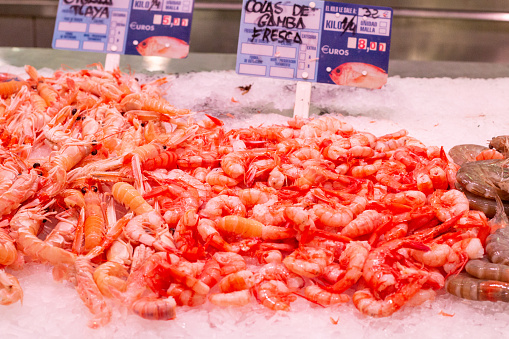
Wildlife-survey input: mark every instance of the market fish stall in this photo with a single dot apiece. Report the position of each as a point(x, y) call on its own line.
point(437, 112)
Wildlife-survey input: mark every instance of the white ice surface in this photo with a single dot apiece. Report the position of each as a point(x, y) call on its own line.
point(441, 112)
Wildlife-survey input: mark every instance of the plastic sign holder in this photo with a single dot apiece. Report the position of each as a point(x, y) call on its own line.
point(135, 27)
point(315, 41)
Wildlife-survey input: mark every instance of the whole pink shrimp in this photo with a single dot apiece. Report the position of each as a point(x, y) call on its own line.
point(10, 289)
point(26, 223)
point(447, 204)
point(323, 297)
point(368, 304)
point(23, 187)
point(308, 261)
point(235, 298)
point(274, 294)
point(352, 258)
point(135, 230)
point(90, 293)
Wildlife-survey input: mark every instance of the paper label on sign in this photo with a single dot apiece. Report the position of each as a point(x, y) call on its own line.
point(136, 27)
point(322, 41)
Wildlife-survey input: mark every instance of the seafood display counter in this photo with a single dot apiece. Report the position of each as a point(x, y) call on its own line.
point(217, 118)
point(198, 62)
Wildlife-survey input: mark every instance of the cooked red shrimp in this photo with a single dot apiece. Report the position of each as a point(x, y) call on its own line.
point(211, 272)
point(364, 223)
point(10, 289)
point(207, 230)
point(248, 228)
point(338, 216)
point(308, 261)
point(155, 309)
point(8, 252)
point(448, 204)
point(229, 262)
point(240, 280)
point(235, 298)
point(220, 205)
point(185, 296)
point(274, 294)
point(324, 125)
point(217, 177)
point(352, 259)
point(489, 154)
point(323, 297)
point(109, 277)
point(368, 304)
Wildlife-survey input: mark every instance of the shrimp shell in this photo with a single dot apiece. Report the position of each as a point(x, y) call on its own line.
point(10, 289)
point(483, 269)
point(466, 287)
point(484, 178)
point(497, 246)
point(501, 144)
point(110, 276)
point(155, 309)
point(127, 195)
point(462, 154)
point(236, 298)
point(8, 253)
point(90, 293)
point(26, 222)
point(241, 280)
point(94, 220)
point(317, 294)
point(246, 228)
point(9, 84)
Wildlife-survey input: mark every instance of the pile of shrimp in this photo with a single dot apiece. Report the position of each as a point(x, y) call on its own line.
point(483, 177)
point(151, 209)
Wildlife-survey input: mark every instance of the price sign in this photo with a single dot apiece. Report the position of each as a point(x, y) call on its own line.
point(322, 41)
point(136, 27)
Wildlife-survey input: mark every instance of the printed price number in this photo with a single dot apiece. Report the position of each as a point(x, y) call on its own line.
point(167, 20)
point(362, 43)
point(371, 45)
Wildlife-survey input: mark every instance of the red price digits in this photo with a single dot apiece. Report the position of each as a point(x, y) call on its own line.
point(371, 45)
point(167, 20)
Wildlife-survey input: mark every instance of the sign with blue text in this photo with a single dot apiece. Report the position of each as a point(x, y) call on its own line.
point(318, 41)
point(136, 27)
